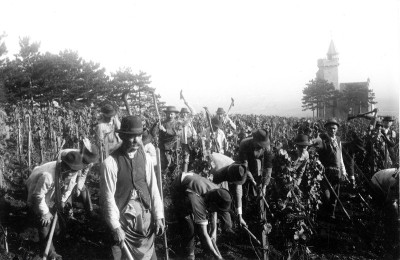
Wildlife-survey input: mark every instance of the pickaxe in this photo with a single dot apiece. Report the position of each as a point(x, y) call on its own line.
point(231, 105)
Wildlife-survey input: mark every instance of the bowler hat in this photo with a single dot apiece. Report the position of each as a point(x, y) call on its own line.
point(73, 159)
point(171, 109)
point(302, 140)
point(220, 110)
point(90, 152)
point(216, 122)
point(388, 118)
point(108, 110)
point(235, 173)
point(331, 121)
point(131, 125)
point(184, 110)
point(221, 198)
point(260, 137)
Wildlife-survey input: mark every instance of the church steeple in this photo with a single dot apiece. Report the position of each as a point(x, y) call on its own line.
point(332, 53)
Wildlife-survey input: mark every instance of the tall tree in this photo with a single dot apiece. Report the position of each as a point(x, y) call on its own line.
point(3, 52)
point(319, 95)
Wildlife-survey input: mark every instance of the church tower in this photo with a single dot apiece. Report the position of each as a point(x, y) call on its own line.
point(328, 68)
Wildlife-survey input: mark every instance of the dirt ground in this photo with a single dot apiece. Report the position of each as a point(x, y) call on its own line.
point(87, 238)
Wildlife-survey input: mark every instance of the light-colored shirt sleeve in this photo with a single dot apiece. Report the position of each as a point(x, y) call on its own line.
point(231, 123)
point(151, 150)
point(108, 185)
point(42, 188)
point(317, 141)
point(156, 202)
point(341, 164)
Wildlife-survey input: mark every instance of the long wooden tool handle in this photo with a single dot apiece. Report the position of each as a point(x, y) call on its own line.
point(53, 227)
point(124, 98)
point(126, 251)
point(156, 107)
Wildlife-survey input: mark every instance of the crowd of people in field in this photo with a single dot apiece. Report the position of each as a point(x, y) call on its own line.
point(210, 159)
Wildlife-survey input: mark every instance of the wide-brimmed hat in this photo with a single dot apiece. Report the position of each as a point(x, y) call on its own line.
point(216, 122)
point(220, 110)
point(260, 137)
point(302, 140)
point(131, 125)
point(108, 110)
point(90, 152)
point(331, 121)
point(184, 110)
point(234, 173)
point(74, 160)
point(170, 109)
point(221, 198)
point(388, 118)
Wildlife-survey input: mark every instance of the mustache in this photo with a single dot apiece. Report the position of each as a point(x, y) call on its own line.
point(132, 146)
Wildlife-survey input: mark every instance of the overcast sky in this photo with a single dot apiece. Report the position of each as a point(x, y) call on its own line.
point(260, 53)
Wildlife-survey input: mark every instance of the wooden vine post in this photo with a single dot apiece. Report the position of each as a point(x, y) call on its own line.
point(29, 143)
point(77, 134)
point(19, 142)
point(41, 147)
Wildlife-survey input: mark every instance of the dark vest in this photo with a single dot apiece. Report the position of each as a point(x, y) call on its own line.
point(328, 155)
point(131, 175)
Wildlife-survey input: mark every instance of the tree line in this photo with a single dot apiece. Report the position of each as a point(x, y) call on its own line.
point(320, 95)
point(67, 79)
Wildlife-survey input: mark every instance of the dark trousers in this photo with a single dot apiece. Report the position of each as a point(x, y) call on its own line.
point(187, 230)
point(328, 197)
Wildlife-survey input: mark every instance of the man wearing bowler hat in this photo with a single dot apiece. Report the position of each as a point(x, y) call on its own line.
point(329, 149)
point(168, 136)
point(44, 186)
point(106, 137)
point(129, 195)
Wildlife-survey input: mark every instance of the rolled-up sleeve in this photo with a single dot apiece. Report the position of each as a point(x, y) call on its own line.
point(108, 183)
point(157, 204)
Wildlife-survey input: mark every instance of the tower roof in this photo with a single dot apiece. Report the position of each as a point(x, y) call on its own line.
point(332, 50)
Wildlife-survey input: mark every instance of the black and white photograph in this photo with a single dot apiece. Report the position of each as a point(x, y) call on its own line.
point(135, 129)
